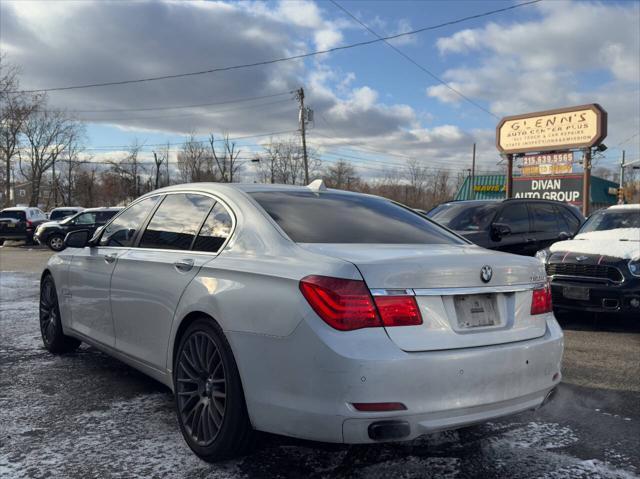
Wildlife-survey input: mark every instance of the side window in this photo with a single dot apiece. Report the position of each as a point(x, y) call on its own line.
point(175, 223)
point(515, 216)
point(544, 218)
point(85, 219)
point(215, 230)
point(570, 220)
point(122, 230)
point(103, 216)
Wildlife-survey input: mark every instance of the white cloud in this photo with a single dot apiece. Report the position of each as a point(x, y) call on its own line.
point(576, 52)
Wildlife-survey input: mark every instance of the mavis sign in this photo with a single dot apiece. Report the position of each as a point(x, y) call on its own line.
point(559, 188)
point(562, 129)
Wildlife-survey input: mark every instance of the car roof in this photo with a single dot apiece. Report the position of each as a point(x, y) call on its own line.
point(67, 208)
point(21, 208)
point(635, 206)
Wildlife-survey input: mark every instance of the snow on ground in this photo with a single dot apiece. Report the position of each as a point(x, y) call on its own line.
point(86, 415)
point(620, 243)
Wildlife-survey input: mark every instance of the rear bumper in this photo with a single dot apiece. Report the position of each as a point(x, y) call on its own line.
point(602, 297)
point(304, 385)
point(17, 236)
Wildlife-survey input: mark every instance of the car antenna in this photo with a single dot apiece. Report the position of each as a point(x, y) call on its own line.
point(317, 185)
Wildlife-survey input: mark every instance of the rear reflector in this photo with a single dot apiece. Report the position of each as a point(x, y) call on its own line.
point(398, 310)
point(541, 301)
point(379, 406)
point(344, 304)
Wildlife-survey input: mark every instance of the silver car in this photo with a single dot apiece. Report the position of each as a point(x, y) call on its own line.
point(304, 311)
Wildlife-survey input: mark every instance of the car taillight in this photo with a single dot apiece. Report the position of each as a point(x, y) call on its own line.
point(29, 224)
point(346, 304)
point(343, 304)
point(541, 301)
point(398, 310)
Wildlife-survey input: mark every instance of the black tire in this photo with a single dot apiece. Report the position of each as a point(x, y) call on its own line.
point(1, 242)
point(210, 403)
point(53, 336)
point(55, 242)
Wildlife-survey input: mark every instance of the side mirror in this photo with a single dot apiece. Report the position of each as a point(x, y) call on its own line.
point(564, 236)
point(77, 239)
point(499, 231)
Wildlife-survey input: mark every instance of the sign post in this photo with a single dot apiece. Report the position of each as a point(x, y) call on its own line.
point(586, 181)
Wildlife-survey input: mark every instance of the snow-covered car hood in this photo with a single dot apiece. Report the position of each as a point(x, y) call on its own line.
point(621, 243)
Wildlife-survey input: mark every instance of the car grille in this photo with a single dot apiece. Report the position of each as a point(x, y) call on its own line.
point(585, 270)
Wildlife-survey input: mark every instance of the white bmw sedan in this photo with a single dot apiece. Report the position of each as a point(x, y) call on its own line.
point(308, 312)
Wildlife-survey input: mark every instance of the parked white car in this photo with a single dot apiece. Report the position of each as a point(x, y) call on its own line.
point(308, 312)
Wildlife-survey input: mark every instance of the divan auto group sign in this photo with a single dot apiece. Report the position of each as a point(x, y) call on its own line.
point(562, 129)
point(560, 188)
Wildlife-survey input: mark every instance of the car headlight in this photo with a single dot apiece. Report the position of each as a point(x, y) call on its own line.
point(634, 266)
point(543, 255)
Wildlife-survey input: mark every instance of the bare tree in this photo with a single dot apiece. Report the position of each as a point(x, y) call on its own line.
point(282, 162)
point(417, 176)
point(226, 160)
point(15, 109)
point(87, 185)
point(47, 135)
point(129, 171)
point(341, 175)
point(193, 162)
point(72, 162)
point(160, 158)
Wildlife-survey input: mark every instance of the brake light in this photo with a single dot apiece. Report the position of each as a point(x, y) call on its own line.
point(344, 304)
point(398, 310)
point(29, 224)
point(541, 301)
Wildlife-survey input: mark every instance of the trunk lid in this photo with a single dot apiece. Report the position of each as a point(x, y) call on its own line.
point(458, 308)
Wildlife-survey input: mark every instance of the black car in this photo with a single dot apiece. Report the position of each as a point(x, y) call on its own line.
point(19, 223)
point(52, 233)
point(595, 273)
point(520, 226)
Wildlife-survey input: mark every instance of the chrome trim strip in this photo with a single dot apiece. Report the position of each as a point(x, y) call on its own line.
point(477, 290)
point(392, 292)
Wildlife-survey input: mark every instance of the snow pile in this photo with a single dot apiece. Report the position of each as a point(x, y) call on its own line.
point(621, 243)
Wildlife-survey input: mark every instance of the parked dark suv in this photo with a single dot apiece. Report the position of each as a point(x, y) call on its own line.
point(19, 223)
point(52, 233)
point(520, 226)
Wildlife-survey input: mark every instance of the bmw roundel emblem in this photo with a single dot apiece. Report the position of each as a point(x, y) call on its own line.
point(486, 273)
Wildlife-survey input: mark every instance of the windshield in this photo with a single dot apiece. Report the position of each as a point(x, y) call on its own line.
point(14, 214)
point(464, 216)
point(328, 217)
point(611, 219)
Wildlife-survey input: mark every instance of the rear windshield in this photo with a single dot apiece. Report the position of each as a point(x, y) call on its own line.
point(465, 217)
point(59, 214)
point(16, 215)
point(329, 217)
point(610, 220)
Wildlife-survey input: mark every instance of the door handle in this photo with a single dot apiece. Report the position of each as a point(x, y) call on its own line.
point(110, 258)
point(184, 265)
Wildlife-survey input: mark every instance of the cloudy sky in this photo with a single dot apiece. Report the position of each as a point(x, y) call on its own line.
point(372, 106)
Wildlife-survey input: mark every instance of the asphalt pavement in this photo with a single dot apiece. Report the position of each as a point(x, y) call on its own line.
point(88, 415)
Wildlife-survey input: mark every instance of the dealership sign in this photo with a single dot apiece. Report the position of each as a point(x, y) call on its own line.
point(559, 188)
point(547, 164)
point(562, 129)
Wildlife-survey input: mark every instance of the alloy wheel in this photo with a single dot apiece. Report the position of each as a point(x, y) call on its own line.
point(201, 388)
point(56, 243)
point(48, 311)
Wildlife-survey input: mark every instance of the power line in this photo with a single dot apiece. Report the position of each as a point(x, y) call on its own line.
point(279, 60)
point(125, 147)
point(408, 58)
point(178, 107)
point(184, 115)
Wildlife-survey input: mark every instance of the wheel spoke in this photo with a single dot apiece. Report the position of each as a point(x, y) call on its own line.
point(201, 388)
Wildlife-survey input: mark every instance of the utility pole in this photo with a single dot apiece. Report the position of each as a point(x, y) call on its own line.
point(586, 181)
point(303, 119)
point(621, 186)
point(473, 173)
point(53, 183)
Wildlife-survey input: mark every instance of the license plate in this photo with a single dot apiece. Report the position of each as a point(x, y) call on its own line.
point(475, 311)
point(11, 225)
point(574, 292)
